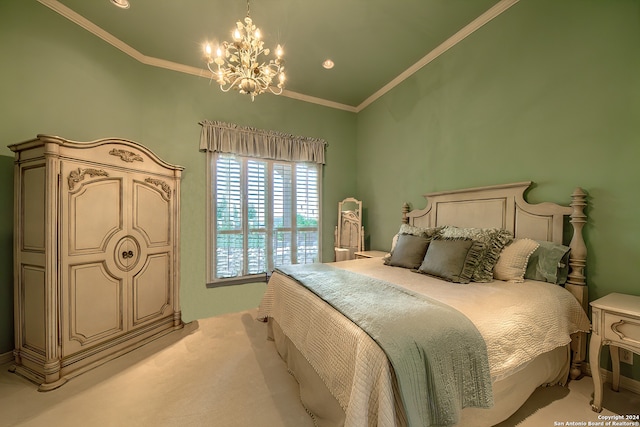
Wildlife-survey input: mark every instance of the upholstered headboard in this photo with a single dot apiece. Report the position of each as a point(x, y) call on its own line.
point(504, 206)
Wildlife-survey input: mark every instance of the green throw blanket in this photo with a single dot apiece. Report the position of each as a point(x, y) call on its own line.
point(438, 355)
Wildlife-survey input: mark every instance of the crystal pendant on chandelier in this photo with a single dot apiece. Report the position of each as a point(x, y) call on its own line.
point(239, 64)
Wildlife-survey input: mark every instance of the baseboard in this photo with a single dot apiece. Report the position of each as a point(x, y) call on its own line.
point(607, 377)
point(6, 357)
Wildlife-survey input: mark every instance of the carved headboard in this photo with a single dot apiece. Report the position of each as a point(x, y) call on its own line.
point(504, 206)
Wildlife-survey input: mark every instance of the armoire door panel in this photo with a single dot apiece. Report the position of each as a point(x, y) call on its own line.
point(32, 211)
point(95, 215)
point(33, 316)
point(152, 212)
point(96, 304)
point(151, 289)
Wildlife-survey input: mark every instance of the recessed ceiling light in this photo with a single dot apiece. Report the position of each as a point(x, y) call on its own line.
point(124, 4)
point(328, 64)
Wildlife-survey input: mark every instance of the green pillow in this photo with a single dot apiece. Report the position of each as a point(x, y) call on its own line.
point(549, 263)
point(409, 251)
point(452, 260)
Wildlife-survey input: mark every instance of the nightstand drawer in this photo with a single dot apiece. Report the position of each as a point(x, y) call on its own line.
point(622, 329)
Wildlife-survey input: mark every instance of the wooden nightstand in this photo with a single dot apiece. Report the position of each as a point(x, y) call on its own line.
point(370, 254)
point(616, 322)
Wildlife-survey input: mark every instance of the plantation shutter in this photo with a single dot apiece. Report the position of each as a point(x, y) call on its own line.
point(263, 212)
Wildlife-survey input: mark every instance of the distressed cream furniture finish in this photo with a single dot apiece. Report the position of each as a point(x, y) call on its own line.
point(349, 233)
point(504, 206)
point(96, 266)
point(370, 254)
point(616, 322)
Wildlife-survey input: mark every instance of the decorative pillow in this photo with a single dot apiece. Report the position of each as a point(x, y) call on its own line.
point(493, 239)
point(409, 251)
point(549, 263)
point(419, 231)
point(513, 260)
point(414, 231)
point(451, 260)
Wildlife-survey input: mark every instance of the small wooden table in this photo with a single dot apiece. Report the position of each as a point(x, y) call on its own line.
point(370, 254)
point(616, 322)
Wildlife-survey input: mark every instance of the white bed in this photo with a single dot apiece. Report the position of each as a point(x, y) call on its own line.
point(345, 377)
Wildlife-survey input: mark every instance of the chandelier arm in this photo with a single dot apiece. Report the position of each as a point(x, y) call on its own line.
point(231, 85)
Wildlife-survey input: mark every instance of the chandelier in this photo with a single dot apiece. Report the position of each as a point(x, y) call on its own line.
point(239, 64)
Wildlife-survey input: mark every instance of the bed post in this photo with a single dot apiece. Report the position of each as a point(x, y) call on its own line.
point(405, 211)
point(576, 281)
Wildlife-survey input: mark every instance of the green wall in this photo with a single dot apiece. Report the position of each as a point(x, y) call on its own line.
point(57, 78)
point(548, 92)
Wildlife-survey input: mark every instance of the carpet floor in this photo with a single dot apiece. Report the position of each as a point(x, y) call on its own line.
point(222, 372)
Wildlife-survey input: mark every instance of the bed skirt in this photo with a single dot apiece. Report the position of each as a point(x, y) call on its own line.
point(509, 393)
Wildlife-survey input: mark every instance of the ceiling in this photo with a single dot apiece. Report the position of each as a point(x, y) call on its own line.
point(374, 43)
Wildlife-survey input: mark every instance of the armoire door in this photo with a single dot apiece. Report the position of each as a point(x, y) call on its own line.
point(116, 253)
point(152, 233)
point(93, 222)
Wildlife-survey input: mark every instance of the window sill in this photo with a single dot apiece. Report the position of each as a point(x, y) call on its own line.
point(232, 281)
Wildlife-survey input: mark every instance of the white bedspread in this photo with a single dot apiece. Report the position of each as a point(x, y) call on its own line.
point(518, 321)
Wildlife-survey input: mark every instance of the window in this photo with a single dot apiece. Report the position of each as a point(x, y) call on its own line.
point(262, 214)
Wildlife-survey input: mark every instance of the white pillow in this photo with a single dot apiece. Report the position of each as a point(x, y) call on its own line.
point(513, 260)
point(394, 241)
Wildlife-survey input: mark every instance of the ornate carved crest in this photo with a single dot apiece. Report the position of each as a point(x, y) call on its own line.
point(127, 156)
point(78, 175)
point(158, 182)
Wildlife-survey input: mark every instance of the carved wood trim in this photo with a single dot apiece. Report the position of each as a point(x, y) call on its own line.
point(160, 183)
point(405, 210)
point(127, 156)
point(77, 175)
point(616, 330)
point(578, 254)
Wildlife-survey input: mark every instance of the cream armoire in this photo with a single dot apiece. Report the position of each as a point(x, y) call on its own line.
point(96, 245)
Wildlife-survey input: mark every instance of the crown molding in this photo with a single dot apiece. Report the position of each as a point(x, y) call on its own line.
point(474, 25)
point(81, 21)
point(321, 101)
point(162, 63)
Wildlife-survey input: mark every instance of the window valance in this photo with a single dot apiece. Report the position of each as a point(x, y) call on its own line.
point(246, 141)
